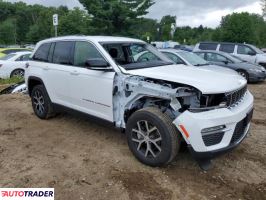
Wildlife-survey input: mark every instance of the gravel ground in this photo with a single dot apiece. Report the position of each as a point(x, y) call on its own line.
point(85, 159)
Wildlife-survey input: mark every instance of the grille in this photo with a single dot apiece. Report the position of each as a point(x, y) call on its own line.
point(240, 128)
point(213, 139)
point(234, 97)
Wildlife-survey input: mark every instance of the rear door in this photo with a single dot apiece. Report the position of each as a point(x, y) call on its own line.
point(56, 71)
point(91, 90)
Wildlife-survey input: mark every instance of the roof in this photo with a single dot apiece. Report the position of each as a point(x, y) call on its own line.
point(213, 51)
point(22, 52)
point(94, 39)
point(233, 43)
point(3, 49)
point(171, 50)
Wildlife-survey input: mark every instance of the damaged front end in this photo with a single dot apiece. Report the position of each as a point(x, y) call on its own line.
point(207, 122)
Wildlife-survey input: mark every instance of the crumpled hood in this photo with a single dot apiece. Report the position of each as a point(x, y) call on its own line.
point(207, 80)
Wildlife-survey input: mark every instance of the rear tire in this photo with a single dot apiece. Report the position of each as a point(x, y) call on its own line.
point(152, 137)
point(41, 103)
point(18, 73)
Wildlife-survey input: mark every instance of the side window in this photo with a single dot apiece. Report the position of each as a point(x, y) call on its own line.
point(24, 58)
point(42, 53)
point(146, 57)
point(63, 53)
point(173, 57)
point(83, 52)
point(228, 48)
point(213, 57)
point(202, 55)
point(208, 46)
point(245, 50)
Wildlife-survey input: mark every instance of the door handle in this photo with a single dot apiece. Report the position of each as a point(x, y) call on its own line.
point(74, 73)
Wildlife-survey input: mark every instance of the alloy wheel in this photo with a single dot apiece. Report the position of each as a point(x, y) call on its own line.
point(18, 73)
point(38, 101)
point(147, 139)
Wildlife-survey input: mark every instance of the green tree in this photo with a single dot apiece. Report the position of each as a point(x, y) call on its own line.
point(116, 16)
point(8, 33)
point(238, 27)
point(263, 3)
point(68, 23)
point(166, 27)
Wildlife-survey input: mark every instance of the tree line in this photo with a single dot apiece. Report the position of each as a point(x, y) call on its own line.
point(27, 24)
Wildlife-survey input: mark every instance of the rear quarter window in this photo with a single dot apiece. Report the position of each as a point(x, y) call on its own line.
point(208, 46)
point(42, 53)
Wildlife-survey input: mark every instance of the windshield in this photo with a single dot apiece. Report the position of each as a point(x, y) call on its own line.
point(136, 55)
point(7, 57)
point(256, 49)
point(193, 59)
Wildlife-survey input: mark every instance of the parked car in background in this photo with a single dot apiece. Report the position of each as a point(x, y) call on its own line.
point(166, 44)
point(188, 48)
point(246, 52)
point(184, 57)
point(155, 101)
point(13, 64)
point(6, 51)
point(264, 50)
point(252, 72)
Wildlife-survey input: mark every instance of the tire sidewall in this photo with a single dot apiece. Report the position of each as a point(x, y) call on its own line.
point(42, 91)
point(166, 146)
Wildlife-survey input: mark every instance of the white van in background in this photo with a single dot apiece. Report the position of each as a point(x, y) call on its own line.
point(246, 52)
point(165, 45)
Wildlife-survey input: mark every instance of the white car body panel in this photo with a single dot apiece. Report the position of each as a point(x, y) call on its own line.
point(8, 66)
point(199, 121)
point(199, 78)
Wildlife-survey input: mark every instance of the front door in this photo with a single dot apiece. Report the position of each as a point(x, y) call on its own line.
point(91, 90)
point(246, 53)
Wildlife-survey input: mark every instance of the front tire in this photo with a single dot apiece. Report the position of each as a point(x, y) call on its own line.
point(41, 102)
point(152, 137)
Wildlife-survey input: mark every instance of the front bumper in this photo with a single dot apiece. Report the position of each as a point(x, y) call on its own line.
point(256, 77)
point(236, 122)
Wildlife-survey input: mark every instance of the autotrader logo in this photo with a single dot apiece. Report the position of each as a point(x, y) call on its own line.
point(27, 193)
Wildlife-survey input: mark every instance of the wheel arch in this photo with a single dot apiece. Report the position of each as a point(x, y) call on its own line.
point(144, 102)
point(32, 82)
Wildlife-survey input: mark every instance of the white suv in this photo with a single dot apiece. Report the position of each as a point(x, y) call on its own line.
point(158, 104)
point(246, 52)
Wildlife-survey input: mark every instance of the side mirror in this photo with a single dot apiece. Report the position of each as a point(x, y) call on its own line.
point(98, 64)
point(226, 62)
point(251, 53)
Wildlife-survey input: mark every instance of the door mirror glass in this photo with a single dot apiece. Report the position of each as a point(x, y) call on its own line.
point(97, 63)
point(251, 53)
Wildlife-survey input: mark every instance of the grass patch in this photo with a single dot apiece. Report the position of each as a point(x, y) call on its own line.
point(11, 80)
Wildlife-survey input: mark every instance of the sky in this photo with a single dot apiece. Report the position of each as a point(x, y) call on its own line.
point(188, 12)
